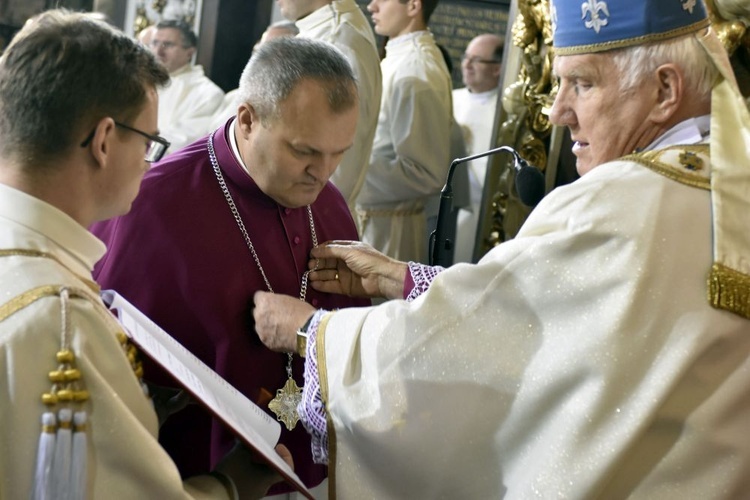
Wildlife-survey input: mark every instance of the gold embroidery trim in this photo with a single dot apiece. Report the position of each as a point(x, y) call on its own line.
point(651, 160)
point(640, 40)
point(320, 346)
point(24, 252)
point(729, 289)
point(29, 297)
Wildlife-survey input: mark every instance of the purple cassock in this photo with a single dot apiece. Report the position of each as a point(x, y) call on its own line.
point(181, 259)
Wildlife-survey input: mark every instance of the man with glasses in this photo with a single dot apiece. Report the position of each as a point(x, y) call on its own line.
point(474, 108)
point(155, 148)
point(188, 104)
point(234, 213)
point(78, 129)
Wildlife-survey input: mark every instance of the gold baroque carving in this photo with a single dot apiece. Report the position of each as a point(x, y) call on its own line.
point(730, 19)
point(526, 127)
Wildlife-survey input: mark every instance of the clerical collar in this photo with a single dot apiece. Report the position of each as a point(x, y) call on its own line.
point(183, 69)
point(405, 38)
point(482, 97)
point(235, 148)
point(690, 131)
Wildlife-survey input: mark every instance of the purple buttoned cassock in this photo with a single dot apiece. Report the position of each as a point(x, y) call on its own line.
point(180, 258)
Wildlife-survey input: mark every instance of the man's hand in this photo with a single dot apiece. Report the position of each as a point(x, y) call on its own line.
point(356, 269)
point(251, 478)
point(167, 401)
point(277, 318)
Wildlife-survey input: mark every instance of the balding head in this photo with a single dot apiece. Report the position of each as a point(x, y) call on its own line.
point(480, 64)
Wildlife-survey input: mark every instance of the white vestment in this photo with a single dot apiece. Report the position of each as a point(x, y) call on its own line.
point(124, 457)
point(411, 152)
point(187, 106)
point(579, 360)
point(475, 113)
point(343, 24)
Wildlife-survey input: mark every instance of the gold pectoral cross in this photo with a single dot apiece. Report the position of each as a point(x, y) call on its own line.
point(284, 405)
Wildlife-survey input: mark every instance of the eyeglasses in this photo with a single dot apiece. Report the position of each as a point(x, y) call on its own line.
point(155, 44)
point(157, 146)
point(477, 59)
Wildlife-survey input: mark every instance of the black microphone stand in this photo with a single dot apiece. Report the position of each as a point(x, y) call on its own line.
point(440, 245)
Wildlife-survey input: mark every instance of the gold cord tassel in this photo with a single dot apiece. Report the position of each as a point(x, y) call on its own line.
point(729, 289)
point(61, 468)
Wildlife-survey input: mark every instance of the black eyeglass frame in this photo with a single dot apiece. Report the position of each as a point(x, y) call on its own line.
point(149, 157)
point(475, 59)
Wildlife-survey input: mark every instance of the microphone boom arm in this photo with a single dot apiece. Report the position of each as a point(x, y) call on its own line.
point(531, 192)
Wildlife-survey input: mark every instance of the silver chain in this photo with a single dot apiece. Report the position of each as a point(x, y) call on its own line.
point(246, 236)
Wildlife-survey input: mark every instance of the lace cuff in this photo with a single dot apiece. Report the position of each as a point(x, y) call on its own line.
point(419, 279)
point(311, 409)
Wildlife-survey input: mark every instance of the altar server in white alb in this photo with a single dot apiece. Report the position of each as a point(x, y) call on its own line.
point(474, 107)
point(411, 152)
point(342, 23)
point(602, 353)
point(78, 129)
point(188, 104)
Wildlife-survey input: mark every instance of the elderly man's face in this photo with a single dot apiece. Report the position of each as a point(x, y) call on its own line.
point(480, 68)
point(604, 123)
point(292, 157)
point(168, 47)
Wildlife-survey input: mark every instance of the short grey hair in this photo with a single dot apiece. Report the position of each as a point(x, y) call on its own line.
point(279, 65)
point(635, 63)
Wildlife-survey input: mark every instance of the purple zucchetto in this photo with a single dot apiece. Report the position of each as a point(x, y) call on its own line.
point(586, 26)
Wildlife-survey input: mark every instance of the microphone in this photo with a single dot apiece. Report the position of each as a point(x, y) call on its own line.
point(529, 185)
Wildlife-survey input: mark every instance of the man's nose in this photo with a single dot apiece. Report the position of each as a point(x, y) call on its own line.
point(561, 113)
point(322, 167)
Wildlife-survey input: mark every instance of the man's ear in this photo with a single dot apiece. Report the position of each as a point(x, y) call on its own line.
point(498, 70)
point(247, 119)
point(670, 92)
point(101, 143)
point(414, 7)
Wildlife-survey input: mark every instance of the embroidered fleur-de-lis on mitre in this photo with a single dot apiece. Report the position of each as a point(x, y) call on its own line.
point(595, 8)
point(688, 5)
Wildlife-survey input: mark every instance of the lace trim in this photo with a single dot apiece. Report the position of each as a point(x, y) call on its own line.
point(423, 276)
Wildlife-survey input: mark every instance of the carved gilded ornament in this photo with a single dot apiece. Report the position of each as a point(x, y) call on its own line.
point(147, 13)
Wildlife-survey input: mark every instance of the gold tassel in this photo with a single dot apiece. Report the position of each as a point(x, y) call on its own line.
point(61, 469)
point(729, 290)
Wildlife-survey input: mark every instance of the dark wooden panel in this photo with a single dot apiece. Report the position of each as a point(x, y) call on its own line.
point(229, 29)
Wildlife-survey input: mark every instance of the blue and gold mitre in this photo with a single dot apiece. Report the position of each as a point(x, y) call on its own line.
point(585, 26)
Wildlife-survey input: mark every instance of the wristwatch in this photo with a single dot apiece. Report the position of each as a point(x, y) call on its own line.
point(302, 337)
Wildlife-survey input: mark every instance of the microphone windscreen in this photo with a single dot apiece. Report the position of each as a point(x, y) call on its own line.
point(530, 185)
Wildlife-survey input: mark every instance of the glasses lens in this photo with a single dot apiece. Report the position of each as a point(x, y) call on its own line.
point(155, 151)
